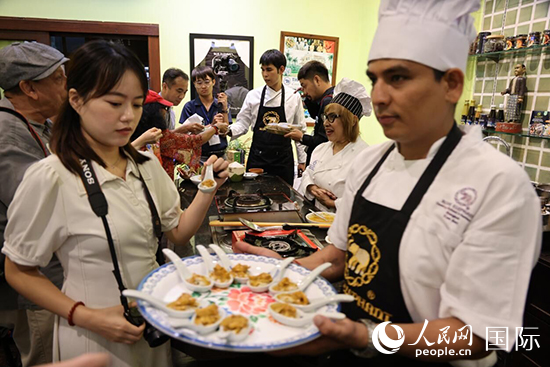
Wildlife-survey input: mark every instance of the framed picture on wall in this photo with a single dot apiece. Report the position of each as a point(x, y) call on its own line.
point(231, 58)
point(300, 48)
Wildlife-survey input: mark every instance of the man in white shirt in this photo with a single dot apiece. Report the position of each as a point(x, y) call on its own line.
point(277, 103)
point(419, 237)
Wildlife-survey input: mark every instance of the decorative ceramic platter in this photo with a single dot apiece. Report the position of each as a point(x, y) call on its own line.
point(266, 333)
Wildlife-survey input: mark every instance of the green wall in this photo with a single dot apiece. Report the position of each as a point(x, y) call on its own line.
point(353, 21)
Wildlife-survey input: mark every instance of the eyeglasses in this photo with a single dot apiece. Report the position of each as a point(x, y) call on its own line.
point(330, 117)
point(205, 82)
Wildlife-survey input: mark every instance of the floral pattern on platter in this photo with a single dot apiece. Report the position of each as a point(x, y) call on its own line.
point(266, 333)
point(240, 299)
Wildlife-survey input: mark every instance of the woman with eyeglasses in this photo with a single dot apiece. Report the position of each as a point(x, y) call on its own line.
point(51, 212)
point(325, 177)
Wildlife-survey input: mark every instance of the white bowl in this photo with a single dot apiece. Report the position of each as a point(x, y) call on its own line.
point(196, 179)
point(313, 217)
point(250, 175)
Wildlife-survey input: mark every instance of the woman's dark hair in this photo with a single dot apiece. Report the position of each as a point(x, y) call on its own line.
point(94, 70)
point(151, 117)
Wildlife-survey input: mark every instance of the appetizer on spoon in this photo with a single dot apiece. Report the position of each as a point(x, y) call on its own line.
point(194, 282)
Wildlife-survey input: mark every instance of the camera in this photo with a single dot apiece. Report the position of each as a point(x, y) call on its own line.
point(153, 337)
point(224, 64)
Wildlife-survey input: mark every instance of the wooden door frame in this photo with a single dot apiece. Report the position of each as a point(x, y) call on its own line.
point(14, 28)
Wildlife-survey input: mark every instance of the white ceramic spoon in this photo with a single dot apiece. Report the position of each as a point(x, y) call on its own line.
point(316, 303)
point(210, 268)
point(276, 273)
point(233, 336)
point(209, 175)
point(184, 272)
point(303, 318)
point(226, 262)
point(200, 329)
point(303, 283)
point(158, 304)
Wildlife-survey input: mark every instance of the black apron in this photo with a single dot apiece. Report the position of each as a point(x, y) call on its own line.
point(372, 259)
point(269, 151)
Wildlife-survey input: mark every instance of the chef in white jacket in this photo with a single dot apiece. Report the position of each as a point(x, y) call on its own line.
point(437, 232)
point(325, 177)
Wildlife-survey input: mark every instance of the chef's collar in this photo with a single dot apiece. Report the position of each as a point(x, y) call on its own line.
point(396, 161)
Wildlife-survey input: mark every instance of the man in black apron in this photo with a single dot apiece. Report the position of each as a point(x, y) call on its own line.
point(318, 92)
point(271, 152)
point(397, 242)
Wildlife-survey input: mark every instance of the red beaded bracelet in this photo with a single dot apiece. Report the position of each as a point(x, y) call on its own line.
point(71, 312)
point(216, 128)
point(297, 262)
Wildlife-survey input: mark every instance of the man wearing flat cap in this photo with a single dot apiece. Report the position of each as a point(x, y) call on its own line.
point(32, 76)
point(422, 239)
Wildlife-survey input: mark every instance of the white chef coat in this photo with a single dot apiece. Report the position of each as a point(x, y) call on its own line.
point(50, 213)
point(328, 170)
point(294, 111)
point(469, 247)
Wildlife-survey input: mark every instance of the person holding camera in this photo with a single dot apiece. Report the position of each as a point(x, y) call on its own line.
point(214, 111)
point(55, 211)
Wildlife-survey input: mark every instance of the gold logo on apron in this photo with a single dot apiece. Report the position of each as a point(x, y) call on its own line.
point(362, 263)
point(271, 117)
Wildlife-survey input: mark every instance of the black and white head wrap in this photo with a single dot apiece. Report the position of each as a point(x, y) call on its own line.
point(353, 96)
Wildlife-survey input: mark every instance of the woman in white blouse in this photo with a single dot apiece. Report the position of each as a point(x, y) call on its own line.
point(51, 213)
point(325, 177)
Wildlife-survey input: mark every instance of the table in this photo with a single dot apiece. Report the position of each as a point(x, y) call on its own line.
point(267, 183)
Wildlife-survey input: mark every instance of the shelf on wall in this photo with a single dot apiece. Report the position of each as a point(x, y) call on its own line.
point(515, 134)
point(497, 56)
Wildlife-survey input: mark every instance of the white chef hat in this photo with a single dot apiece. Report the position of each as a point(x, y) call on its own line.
point(436, 33)
point(353, 96)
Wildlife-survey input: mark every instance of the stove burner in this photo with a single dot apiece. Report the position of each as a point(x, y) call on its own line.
point(247, 201)
point(279, 246)
point(284, 245)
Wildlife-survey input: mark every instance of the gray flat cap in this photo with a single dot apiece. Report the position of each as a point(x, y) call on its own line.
point(27, 61)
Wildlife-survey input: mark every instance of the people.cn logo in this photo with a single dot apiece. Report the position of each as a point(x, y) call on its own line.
point(383, 343)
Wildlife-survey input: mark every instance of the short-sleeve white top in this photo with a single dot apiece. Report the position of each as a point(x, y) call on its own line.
point(51, 214)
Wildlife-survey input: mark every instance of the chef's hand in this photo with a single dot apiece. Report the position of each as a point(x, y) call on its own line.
point(109, 323)
point(219, 167)
point(295, 135)
point(189, 127)
point(319, 192)
point(241, 247)
point(222, 98)
point(343, 334)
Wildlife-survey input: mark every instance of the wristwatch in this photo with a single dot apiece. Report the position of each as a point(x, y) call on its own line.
point(370, 351)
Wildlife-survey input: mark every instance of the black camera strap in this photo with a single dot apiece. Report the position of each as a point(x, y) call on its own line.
point(100, 207)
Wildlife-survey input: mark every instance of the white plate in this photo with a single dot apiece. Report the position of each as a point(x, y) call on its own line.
point(266, 333)
point(250, 175)
point(311, 219)
point(196, 179)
